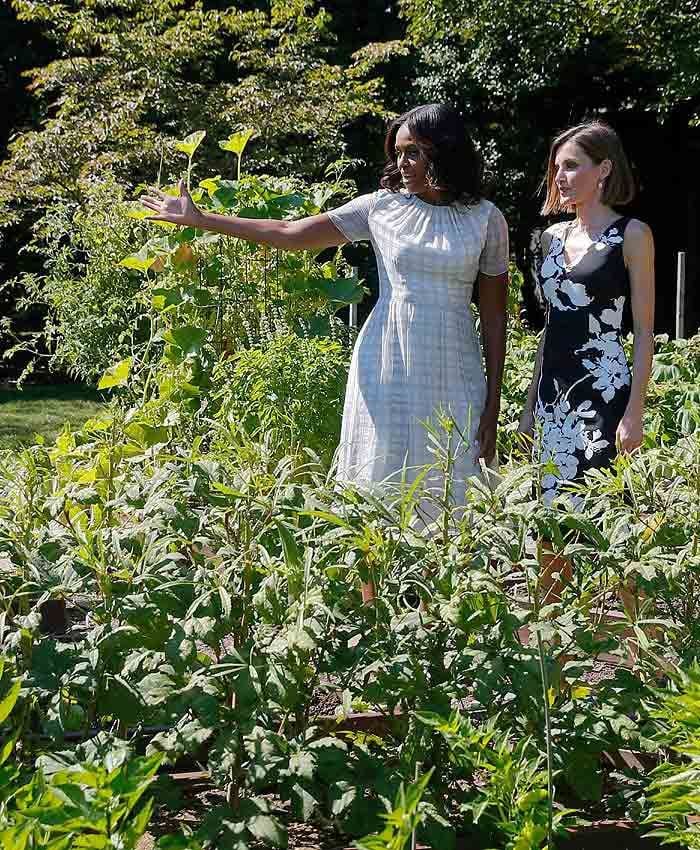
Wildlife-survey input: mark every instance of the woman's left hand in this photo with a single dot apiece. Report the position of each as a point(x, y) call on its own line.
point(630, 432)
point(486, 435)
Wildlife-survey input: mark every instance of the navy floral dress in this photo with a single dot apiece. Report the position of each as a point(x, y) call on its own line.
point(585, 378)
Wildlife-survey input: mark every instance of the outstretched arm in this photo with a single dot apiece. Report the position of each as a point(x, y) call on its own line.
point(312, 233)
point(639, 257)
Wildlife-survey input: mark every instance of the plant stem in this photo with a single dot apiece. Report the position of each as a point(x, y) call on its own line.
point(548, 738)
point(547, 718)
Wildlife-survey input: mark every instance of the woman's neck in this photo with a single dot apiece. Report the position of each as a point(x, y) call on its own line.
point(594, 215)
point(434, 197)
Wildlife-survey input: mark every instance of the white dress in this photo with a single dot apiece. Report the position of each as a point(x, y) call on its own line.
point(418, 351)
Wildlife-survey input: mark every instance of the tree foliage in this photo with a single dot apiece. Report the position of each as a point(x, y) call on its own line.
point(133, 75)
point(522, 71)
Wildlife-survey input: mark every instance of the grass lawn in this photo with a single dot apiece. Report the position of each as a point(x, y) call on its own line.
point(43, 410)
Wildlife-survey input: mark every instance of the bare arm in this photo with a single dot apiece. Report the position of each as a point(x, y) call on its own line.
point(527, 418)
point(639, 257)
point(312, 233)
point(493, 292)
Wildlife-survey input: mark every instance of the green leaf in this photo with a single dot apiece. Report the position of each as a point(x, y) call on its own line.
point(303, 803)
point(189, 339)
point(155, 688)
point(9, 700)
point(237, 142)
point(342, 290)
point(141, 261)
point(583, 773)
point(190, 143)
point(7, 747)
point(116, 376)
point(268, 829)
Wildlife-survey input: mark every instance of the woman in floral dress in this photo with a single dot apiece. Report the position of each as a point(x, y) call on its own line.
point(584, 403)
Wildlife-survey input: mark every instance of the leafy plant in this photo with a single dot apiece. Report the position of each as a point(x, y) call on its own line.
point(674, 790)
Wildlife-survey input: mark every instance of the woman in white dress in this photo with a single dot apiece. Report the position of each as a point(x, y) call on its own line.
point(434, 236)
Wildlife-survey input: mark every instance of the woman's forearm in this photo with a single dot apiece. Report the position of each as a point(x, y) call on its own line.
point(537, 370)
point(494, 342)
point(643, 352)
point(265, 231)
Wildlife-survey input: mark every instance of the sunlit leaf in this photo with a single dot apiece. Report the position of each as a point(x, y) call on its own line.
point(9, 700)
point(190, 143)
point(116, 376)
point(237, 142)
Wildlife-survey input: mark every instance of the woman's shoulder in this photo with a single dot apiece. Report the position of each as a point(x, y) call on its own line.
point(638, 240)
point(638, 230)
point(486, 210)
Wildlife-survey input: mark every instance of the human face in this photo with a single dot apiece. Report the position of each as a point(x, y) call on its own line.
point(410, 162)
point(577, 177)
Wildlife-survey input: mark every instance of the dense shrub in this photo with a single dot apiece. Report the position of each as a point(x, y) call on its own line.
point(292, 385)
point(95, 308)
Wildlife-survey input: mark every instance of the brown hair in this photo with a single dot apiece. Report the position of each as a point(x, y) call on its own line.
point(598, 141)
point(453, 163)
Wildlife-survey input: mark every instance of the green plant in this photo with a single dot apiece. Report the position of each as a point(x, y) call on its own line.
point(289, 385)
point(401, 822)
point(508, 800)
point(674, 789)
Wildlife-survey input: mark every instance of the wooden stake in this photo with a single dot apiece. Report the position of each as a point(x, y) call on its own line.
point(680, 296)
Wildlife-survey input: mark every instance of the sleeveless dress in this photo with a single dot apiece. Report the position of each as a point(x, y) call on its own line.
point(418, 351)
point(585, 378)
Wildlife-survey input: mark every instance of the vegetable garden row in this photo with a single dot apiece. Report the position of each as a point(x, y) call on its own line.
point(179, 590)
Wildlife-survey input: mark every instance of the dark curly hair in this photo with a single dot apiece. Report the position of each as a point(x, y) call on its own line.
point(453, 164)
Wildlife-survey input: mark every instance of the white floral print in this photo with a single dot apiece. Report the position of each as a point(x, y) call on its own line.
point(564, 433)
point(608, 238)
point(560, 292)
point(609, 368)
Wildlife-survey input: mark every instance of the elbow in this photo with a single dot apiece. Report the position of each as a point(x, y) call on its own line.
point(278, 235)
point(287, 236)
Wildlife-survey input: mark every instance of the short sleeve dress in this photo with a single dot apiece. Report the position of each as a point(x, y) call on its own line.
point(585, 379)
point(418, 351)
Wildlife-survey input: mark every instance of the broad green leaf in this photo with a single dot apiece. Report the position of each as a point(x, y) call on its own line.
point(268, 829)
point(116, 376)
point(9, 700)
point(155, 688)
point(7, 748)
point(188, 338)
point(342, 290)
point(304, 804)
point(210, 184)
point(141, 261)
point(147, 435)
point(237, 142)
point(190, 143)
point(163, 297)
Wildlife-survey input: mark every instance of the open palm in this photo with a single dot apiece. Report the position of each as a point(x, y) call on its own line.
point(177, 209)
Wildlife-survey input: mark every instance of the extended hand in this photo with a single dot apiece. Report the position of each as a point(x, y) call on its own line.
point(486, 435)
point(179, 209)
point(630, 432)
